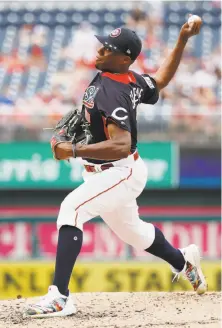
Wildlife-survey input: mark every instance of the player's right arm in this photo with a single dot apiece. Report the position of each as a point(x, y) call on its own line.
point(169, 67)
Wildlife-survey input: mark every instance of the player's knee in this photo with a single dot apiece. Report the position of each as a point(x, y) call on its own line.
point(67, 214)
point(138, 242)
point(142, 237)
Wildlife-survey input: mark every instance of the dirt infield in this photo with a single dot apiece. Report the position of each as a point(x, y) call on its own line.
point(125, 310)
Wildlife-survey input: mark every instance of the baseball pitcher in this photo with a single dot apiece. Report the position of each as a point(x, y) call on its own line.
point(104, 135)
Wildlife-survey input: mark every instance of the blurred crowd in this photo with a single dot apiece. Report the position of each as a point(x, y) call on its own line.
point(189, 106)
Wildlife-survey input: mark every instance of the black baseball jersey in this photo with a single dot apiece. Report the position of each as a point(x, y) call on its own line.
point(114, 98)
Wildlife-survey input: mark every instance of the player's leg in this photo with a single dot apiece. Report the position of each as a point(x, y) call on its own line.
point(105, 191)
point(145, 236)
point(142, 235)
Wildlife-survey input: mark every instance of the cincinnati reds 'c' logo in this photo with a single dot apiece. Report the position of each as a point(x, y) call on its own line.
point(117, 112)
point(89, 95)
point(115, 32)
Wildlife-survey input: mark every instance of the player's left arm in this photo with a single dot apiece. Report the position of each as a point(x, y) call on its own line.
point(116, 147)
point(112, 106)
point(167, 70)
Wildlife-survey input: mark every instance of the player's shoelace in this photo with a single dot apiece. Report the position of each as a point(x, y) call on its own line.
point(191, 274)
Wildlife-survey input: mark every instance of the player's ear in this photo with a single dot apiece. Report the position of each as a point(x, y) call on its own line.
point(127, 60)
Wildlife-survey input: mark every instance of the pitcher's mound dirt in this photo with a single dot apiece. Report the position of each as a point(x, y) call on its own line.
point(128, 310)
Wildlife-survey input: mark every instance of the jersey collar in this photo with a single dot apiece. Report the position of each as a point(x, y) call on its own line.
point(125, 78)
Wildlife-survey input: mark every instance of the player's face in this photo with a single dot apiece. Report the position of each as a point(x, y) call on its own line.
point(110, 61)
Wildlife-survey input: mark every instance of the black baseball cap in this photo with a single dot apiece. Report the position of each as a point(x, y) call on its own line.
point(122, 40)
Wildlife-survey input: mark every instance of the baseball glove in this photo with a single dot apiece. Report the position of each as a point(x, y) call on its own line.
point(72, 128)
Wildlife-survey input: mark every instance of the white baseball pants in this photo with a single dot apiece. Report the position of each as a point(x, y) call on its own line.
point(111, 194)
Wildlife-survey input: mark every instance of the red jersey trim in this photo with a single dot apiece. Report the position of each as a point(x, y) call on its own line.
point(125, 78)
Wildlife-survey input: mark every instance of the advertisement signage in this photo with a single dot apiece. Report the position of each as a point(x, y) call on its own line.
point(31, 165)
point(162, 160)
point(18, 241)
point(29, 279)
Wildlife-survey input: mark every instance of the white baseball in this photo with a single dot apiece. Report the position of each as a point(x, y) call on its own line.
point(193, 18)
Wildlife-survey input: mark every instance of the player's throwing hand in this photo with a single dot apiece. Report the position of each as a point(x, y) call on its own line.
point(191, 27)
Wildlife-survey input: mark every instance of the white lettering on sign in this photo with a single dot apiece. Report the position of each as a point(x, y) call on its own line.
point(34, 168)
point(76, 170)
point(157, 168)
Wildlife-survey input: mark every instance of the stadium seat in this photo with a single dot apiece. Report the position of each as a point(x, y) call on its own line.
point(62, 19)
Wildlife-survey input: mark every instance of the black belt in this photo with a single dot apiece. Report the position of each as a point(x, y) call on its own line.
point(103, 167)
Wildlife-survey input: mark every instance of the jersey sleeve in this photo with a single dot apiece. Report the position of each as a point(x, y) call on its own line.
point(115, 107)
point(151, 93)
